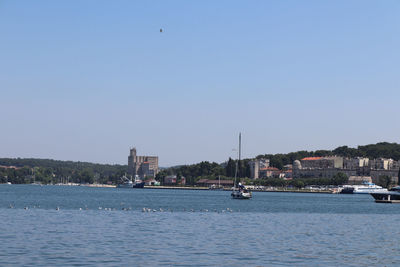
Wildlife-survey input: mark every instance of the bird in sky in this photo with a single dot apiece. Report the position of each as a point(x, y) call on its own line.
point(161, 30)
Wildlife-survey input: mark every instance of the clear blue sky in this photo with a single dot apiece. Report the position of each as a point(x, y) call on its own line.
point(86, 80)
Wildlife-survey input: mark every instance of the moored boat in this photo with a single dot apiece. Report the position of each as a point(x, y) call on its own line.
point(347, 190)
point(125, 182)
point(367, 188)
point(128, 183)
point(239, 192)
point(392, 196)
point(364, 188)
point(138, 183)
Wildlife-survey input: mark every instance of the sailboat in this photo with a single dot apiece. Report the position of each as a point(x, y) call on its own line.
point(217, 187)
point(239, 191)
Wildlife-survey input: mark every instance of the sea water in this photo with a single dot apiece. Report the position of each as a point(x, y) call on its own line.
point(85, 226)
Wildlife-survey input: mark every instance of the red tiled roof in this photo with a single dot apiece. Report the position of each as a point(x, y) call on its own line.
point(312, 158)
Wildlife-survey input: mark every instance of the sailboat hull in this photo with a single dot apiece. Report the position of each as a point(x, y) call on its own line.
point(241, 195)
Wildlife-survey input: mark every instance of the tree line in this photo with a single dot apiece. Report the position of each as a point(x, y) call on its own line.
point(56, 171)
point(48, 171)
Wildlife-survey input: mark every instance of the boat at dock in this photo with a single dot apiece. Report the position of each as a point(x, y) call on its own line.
point(367, 188)
point(128, 183)
point(392, 196)
point(364, 188)
point(347, 190)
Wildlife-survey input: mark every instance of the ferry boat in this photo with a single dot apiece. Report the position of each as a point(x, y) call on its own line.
point(367, 188)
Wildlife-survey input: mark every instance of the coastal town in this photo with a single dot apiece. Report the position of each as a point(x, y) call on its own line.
point(304, 174)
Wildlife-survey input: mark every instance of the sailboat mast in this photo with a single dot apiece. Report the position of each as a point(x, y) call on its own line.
point(240, 150)
point(240, 144)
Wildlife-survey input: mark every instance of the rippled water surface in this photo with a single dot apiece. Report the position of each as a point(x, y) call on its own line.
point(107, 227)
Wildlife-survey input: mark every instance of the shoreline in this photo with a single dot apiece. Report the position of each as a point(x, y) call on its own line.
point(162, 187)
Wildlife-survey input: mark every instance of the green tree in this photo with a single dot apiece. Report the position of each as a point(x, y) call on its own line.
point(230, 168)
point(339, 179)
point(87, 176)
point(384, 181)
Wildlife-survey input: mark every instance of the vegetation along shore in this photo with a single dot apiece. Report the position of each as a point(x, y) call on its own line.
point(48, 171)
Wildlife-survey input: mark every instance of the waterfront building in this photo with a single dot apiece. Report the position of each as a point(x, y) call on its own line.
point(287, 174)
point(383, 164)
point(322, 162)
point(174, 180)
point(255, 167)
point(355, 163)
point(319, 167)
point(152, 182)
point(269, 172)
point(357, 169)
point(143, 166)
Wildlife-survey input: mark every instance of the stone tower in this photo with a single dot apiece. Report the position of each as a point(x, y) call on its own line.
point(132, 162)
point(143, 166)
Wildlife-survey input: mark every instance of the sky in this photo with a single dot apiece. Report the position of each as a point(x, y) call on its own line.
point(88, 80)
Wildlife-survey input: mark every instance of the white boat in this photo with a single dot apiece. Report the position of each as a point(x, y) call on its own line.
point(392, 196)
point(239, 191)
point(367, 188)
point(127, 183)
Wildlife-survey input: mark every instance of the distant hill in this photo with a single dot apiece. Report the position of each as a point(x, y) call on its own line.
point(51, 163)
point(53, 171)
